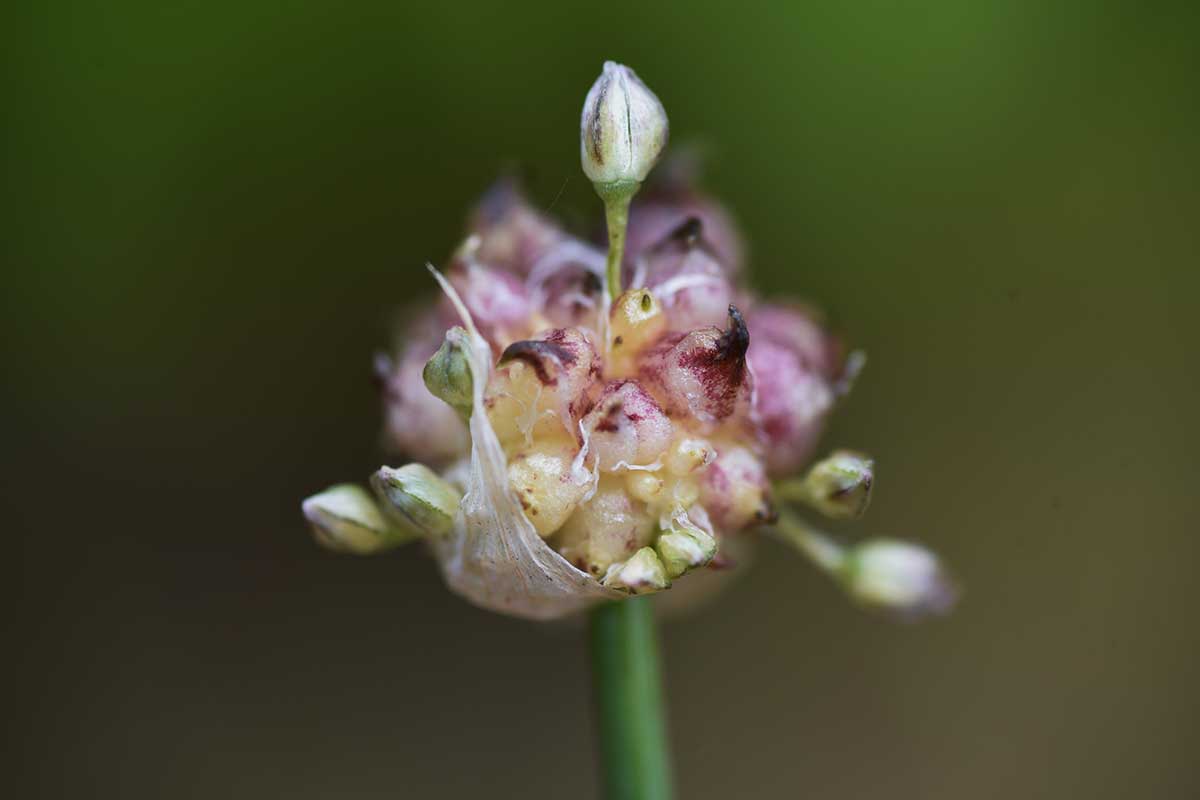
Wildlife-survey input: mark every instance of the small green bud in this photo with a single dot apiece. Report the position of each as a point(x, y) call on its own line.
point(683, 547)
point(447, 374)
point(419, 497)
point(345, 518)
point(642, 573)
point(840, 486)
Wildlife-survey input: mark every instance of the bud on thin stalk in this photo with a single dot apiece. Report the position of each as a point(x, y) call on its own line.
point(447, 374)
point(838, 486)
point(623, 131)
point(346, 519)
point(418, 496)
point(820, 549)
point(900, 577)
point(890, 575)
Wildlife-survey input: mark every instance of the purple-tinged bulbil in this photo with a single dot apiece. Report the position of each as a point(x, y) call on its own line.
point(497, 300)
point(795, 365)
point(701, 374)
point(543, 381)
point(734, 489)
point(626, 427)
point(512, 234)
point(685, 273)
point(669, 201)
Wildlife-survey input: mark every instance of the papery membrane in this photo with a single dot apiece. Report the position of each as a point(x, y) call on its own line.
point(494, 557)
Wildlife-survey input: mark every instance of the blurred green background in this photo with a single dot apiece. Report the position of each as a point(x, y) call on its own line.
point(214, 210)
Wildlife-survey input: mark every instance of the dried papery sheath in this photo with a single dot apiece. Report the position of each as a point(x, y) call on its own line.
point(494, 556)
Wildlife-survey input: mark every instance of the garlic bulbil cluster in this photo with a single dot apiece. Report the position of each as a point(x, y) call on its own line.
point(593, 425)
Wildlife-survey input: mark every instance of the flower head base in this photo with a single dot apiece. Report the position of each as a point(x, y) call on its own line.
point(601, 428)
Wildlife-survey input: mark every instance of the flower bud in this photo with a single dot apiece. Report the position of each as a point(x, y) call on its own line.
point(623, 129)
point(701, 374)
point(643, 573)
point(346, 519)
point(626, 427)
point(900, 577)
point(447, 374)
point(419, 497)
point(684, 546)
point(840, 485)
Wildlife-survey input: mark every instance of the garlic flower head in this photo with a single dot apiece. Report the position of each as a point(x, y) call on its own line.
point(582, 444)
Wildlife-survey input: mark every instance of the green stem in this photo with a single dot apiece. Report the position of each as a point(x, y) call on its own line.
point(821, 548)
point(616, 197)
point(629, 702)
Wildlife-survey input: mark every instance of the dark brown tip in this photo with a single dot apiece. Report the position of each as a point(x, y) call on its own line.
point(688, 232)
point(542, 356)
point(735, 341)
point(684, 238)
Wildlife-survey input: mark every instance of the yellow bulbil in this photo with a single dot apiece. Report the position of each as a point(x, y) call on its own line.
point(609, 528)
point(519, 408)
point(543, 481)
point(636, 320)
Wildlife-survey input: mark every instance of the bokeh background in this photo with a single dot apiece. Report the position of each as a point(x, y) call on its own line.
point(215, 208)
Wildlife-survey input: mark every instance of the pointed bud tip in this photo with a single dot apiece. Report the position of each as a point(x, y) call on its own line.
point(840, 485)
